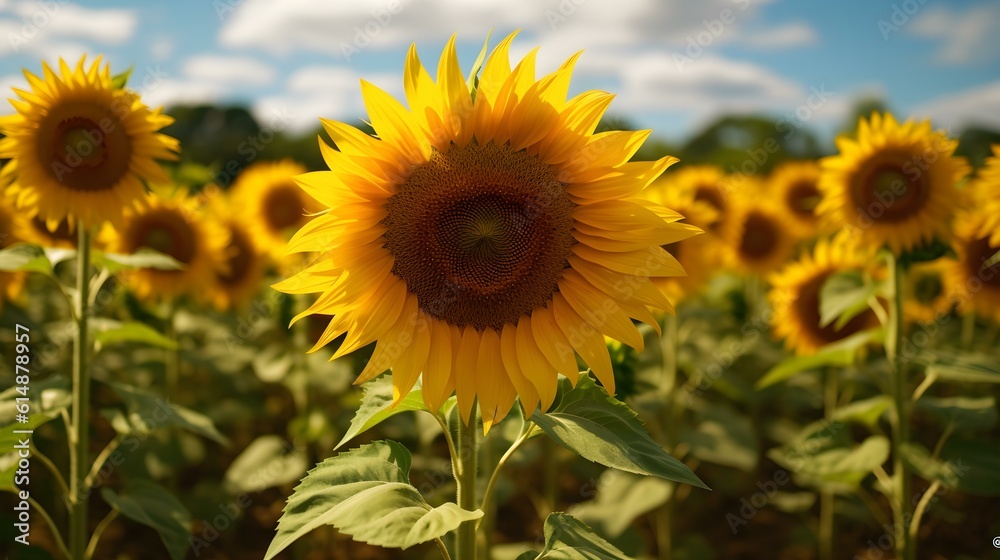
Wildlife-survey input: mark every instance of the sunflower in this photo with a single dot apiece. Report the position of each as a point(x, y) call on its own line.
point(62, 236)
point(171, 223)
point(708, 185)
point(796, 191)
point(482, 239)
point(984, 191)
point(11, 283)
point(925, 293)
point(974, 285)
point(794, 296)
point(245, 265)
point(79, 147)
point(892, 186)
point(695, 254)
point(756, 240)
point(275, 206)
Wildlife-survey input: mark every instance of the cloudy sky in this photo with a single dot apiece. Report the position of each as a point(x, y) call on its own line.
point(675, 64)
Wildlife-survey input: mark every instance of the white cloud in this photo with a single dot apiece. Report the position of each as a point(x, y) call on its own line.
point(231, 70)
point(53, 28)
point(964, 37)
point(173, 91)
point(978, 106)
point(783, 37)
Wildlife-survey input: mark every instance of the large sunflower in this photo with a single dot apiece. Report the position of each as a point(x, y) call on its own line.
point(173, 224)
point(482, 240)
point(796, 192)
point(975, 286)
point(925, 292)
point(892, 186)
point(275, 207)
point(794, 296)
point(756, 239)
point(243, 274)
point(695, 254)
point(80, 147)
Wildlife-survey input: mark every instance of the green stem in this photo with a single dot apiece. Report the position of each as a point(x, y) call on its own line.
point(53, 469)
point(60, 544)
point(905, 549)
point(173, 357)
point(465, 547)
point(80, 432)
point(827, 498)
point(442, 548)
point(968, 329)
point(918, 513)
point(523, 437)
point(108, 519)
point(669, 420)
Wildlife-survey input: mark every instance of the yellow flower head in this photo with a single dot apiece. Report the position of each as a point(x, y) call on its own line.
point(485, 241)
point(79, 147)
point(925, 292)
point(708, 185)
point(275, 207)
point(795, 290)
point(892, 186)
point(243, 273)
point(973, 284)
point(795, 190)
point(756, 240)
point(174, 224)
point(696, 253)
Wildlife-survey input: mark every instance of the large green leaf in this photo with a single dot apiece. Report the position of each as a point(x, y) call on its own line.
point(866, 411)
point(143, 258)
point(844, 296)
point(366, 493)
point(25, 258)
point(622, 498)
point(567, 538)
point(147, 412)
point(376, 406)
point(267, 462)
point(963, 413)
point(152, 505)
point(961, 367)
point(920, 461)
point(724, 437)
point(843, 467)
point(603, 429)
point(838, 354)
point(107, 332)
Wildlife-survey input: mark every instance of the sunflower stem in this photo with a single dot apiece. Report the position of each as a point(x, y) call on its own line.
point(669, 418)
point(827, 498)
point(172, 361)
point(80, 425)
point(905, 549)
point(468, 441)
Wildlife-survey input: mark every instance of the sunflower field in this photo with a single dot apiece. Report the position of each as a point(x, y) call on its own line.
point(490, 319)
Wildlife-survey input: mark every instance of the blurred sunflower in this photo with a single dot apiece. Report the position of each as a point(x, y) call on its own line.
point(11, 283)
point(756, 239)
point(794, 297)
point(481, 239)
point(892, 186)
point(705, 184)
point(984, 190)
point(243, 273)
point(974, 285)
point(62, 236)
point(924, 292)
point(796, 190)
point(79, 147)
point(171, 223)
point(696, 253)
point(275, 206)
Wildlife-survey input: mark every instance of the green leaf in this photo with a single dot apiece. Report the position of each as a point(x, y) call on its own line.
point(118, 81)
point(143, 258)
point(267, 462)
point(724, 437)
point(839, 354)
point(602, 429)
point(147, 412)
point(25, 257)
point(920, 461)
point(46, 396)
point(965, 414)
point(153, 506)
point(621, 499)
point(366, 493)
point(965, 367)
point(376, 406)
point(8, 452)
point(844, 296)
point(843, 467)
point(113, 332)
point(567, 538)
point(866, 411)
point(473, 81)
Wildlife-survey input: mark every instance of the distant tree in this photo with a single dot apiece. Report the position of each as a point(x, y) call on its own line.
point(975, 144)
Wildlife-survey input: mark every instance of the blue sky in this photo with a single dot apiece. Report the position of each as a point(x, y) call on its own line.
point(675, 64)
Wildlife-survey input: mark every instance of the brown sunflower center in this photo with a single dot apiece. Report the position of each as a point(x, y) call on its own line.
point(927, 288)
point(888, 194)
point(802, 198)
point(711, 195)
point(760, 236)
point(283, 207)
point(480, 234)
point(240, 259)
point(84, 146)
point(165, 231)
point(979, 252)
point(806, 308)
